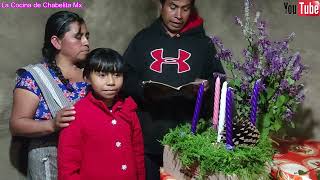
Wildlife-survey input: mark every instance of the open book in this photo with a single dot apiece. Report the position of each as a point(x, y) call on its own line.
point(155, 90)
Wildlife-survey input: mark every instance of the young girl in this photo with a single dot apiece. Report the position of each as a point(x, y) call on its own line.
point(105, 139)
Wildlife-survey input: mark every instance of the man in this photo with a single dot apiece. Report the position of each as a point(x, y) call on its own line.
point(173, 50)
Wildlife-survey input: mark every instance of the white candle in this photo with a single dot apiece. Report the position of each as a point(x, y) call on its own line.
point(222, 113)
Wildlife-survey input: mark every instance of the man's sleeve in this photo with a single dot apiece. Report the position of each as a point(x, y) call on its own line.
point(69, 152)
point(134, 68)
point(212, 66)
point(138, 147)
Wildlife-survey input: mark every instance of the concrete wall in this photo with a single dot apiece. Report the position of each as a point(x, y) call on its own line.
point(113, 23)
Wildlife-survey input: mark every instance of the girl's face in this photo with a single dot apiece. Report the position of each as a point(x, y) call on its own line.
point(106, 85)
point(75, 43)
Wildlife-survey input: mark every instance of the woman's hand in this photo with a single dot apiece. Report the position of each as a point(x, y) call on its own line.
point(64, 118)
point(22, 122)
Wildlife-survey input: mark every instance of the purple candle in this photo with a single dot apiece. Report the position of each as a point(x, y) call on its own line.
point(197, 109)
point(229, 106)
point(254, 102)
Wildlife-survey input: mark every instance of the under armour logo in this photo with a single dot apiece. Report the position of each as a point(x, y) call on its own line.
point(157, 55)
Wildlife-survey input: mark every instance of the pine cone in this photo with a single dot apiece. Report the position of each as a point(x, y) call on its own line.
point(244, 133)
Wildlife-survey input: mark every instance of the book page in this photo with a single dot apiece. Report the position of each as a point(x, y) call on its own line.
point(158, 90)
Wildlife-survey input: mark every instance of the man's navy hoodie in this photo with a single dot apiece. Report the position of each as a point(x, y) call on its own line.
point(154, 55)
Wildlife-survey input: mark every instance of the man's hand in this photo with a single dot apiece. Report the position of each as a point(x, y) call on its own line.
point(205, 83)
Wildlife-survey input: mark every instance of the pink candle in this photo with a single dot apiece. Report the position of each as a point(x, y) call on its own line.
point(216, 103)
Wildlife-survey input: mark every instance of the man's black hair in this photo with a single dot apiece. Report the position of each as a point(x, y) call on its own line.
point(163, 1)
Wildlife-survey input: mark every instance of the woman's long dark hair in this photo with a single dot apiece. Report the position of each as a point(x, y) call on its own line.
point(57, 25)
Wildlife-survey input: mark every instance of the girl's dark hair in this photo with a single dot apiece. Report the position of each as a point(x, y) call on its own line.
point(57, 25)
point(103, 60)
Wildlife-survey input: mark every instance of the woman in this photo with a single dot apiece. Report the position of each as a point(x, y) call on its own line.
point(65, 46)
